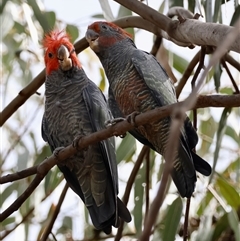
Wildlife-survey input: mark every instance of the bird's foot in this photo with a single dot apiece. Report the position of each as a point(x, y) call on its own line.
point(56, 151)
point(114, 121)
point(76, 141)
point(131, 118)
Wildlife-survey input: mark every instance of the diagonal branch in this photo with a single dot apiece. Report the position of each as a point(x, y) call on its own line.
point(49, 227)
point(19, 175)
point(118, 129)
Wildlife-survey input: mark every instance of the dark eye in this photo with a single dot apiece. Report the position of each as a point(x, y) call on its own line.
point(104, 26)
point(50, 55)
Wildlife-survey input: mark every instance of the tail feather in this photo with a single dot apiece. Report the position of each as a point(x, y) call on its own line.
point(201, 165)
point(123, 212)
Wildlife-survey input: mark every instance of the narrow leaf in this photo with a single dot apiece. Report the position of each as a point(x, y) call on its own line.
point(234, 223)
point(217, 9)
point(217, 75)
point(220, 227)
point(228, 192)
point(126, 12)
point(138, 199)
point(126, 148)
point(220, 132)
point(107, 12)
point(171, 220)
point(72, 30)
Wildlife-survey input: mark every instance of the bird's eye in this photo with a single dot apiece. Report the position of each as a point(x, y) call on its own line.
point(50, 55)
point(104, 26)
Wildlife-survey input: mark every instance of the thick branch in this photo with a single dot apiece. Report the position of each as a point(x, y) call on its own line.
point(190, 31)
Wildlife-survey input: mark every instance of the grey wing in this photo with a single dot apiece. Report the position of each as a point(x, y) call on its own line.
point(155, 77)
point(99, 113)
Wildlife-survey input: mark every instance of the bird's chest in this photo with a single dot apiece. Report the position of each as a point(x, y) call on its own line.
point(132, 94)
point(65, 115)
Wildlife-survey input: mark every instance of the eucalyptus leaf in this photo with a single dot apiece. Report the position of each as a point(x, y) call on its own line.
point(107, 11)
point(138, 199)
point(102, 84)
point(171, 220)
point(234, 223)
point(228, 192)
point(220, 227)
point(39, 15)
point(126, 148)
point(123, 12)
point(220, 132)
point(217, 9)
point(217, 75)
point(72, 30)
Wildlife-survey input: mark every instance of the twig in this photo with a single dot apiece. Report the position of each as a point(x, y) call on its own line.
point(27, 125)
point(230, 76)
point(129, 186)
point(7, 232)
point(49, 227)
point(188, 71)
point(200, 66)
point(147, 183)
point(19, 175)
point(156, 45)
point(232, 61)
point(185, 227)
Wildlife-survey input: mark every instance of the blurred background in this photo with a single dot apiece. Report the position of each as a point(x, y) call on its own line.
point(215, 207)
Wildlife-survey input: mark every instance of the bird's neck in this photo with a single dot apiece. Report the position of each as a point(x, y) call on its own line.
point(59, 80)
point(116, 58)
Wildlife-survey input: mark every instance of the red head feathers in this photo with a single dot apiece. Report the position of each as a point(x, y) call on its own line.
point(52, 42)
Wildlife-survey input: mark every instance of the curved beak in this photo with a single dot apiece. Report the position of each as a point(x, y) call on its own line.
point(92, 38)
point(64, 58)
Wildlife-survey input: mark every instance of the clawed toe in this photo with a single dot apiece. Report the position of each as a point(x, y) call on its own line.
point(131, 118)
point(76, 141)
point(57, 150)
point(113, 121)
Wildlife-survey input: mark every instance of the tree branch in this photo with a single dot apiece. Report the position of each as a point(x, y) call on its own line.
point(49, 227)
point(19, 175)
point(189, 31)
point(118, 129)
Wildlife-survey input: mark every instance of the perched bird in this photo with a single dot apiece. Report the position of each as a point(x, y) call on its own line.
point(75, 106)
point(138, 83)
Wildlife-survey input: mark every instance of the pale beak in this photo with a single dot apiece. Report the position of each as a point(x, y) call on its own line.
point(92, 38)
point(64, 58)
